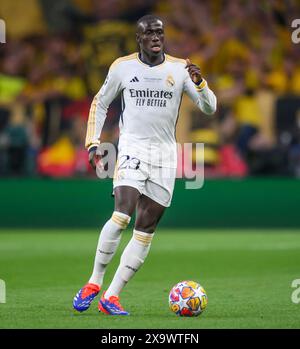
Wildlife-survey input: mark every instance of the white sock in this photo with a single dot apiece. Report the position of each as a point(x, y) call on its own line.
point(131, 260)
point(108, 243)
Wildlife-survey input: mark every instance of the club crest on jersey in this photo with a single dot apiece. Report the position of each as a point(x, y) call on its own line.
point(170, 81)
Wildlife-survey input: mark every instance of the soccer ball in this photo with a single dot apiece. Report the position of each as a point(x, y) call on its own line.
point(187, 298)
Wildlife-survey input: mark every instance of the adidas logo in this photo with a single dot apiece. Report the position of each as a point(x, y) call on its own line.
point(131, 268)
point(135, 79)
point(105, 252)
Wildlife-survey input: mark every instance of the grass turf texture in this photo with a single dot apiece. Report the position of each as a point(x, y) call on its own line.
point(247, 276)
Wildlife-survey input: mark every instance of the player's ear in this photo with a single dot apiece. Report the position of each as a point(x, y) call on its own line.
point(137, 37)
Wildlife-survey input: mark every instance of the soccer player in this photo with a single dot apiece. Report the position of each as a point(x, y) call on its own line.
point(151, 84)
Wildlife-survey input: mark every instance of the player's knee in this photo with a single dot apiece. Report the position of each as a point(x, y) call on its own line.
point(149, 229)
point(124, 208)
point(121, 219)
point(146, 222)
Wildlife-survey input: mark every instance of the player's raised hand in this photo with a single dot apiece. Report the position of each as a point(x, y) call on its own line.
point(194, 71)
point(95, 159)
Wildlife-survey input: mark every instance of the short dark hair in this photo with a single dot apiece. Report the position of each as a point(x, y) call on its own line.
point(148, 18)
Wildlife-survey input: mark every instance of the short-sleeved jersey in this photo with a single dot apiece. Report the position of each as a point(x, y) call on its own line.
point(150, 97)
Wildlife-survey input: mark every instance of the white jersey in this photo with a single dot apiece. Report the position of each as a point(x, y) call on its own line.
point(151, 97)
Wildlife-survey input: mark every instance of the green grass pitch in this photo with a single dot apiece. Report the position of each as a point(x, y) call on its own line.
point(247, 276)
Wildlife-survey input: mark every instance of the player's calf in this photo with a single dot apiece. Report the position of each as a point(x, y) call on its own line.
point(108, 243)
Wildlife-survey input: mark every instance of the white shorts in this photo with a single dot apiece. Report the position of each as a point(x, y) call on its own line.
point(153, 181)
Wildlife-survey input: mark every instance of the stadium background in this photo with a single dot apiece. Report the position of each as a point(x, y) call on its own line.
point(56, 57)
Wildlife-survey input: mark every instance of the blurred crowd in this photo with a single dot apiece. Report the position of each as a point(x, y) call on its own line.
point(57, 54)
